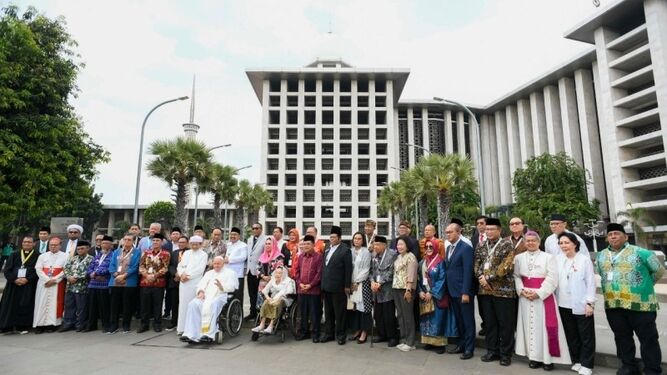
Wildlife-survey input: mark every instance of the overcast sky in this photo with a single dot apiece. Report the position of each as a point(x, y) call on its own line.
point(139, 53)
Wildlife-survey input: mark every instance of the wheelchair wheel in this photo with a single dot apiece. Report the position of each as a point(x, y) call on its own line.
point(234, 318)
point(282, 336)
point(219, 337)
point(294, 319)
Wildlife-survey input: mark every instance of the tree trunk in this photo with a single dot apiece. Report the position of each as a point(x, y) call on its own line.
point(393, 226)
point(443, 208)
point(181, 199)
point(217, 216)
point(423, 213)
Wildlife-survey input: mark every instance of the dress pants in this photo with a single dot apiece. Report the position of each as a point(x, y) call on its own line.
point(239, 292)
point(76, 310)
point(253, 285)
point(168, 300)
point(151, 306)
point(580, 334)
point(500, 320)
point(99, 306)
point(310, 305)
point(174, 305)
point(122, 304)
point(385, 320)
point(465, 322)
point(642, 323)
point(406, 318)
point(335, 311)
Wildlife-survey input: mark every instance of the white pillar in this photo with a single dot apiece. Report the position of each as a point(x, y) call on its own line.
point(539, 123)
point(656, 26)
point(487, 155)
point(411, 138)
point(461, 132)
point(553, 118)
point(525, 130)
point(570, 117)
point(425, 136)
point(503, 159)
point(513, 141)
point(449, 137)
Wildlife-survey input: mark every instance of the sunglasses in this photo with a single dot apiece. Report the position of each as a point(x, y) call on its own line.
point(73, 232)
point(256, 228)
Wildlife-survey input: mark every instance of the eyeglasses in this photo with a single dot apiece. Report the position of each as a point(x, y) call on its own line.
point(256, 228)
point(429, 246)
point(72, 232)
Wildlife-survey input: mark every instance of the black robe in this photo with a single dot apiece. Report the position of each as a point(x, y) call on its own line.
point(18, 302)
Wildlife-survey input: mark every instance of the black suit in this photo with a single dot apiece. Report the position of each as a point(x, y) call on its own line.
point(336, 277)
point(171, 295)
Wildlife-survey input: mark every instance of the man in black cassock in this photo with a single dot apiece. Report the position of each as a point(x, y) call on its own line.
point(18, 298)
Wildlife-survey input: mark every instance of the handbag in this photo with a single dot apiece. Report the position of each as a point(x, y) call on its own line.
point(426, 307)
point(350, 304)
point(443, 302)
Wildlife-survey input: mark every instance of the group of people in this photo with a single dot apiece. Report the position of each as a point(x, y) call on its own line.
point(535, 299)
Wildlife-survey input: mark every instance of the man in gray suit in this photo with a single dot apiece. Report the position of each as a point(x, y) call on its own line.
point(255, 247)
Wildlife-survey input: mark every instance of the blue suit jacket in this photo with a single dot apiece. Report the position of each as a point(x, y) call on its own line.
point(459, 268)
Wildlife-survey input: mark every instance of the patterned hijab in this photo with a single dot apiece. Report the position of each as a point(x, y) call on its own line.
point(434, 259)
point(266, 257)
point(293, 246)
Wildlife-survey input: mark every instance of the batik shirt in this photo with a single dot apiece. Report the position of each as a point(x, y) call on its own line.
point(77, 266)
point(628, 278)
point(495, 259)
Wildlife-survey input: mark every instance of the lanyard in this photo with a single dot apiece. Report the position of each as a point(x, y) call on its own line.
point(122, 257)
point(518, 242)
point(102, 257)
point(24, 258)
point(432, 261)
point(489, 256)
point(615, 257)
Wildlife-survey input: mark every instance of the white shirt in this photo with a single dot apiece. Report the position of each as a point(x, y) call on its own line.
point(332, 249)
point(551, 245)
point(461, 238)
point(237, 253)
point(192, 264)
point(576, 282)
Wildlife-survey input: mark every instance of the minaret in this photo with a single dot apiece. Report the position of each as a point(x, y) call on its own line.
point(191, 128)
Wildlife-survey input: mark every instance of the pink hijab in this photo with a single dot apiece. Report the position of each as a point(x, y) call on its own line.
point(275, 251)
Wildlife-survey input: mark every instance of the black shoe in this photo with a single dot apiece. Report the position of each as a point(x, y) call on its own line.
point(316, 340)
point(299, 337)
point(467, 355)
point(89, 329)
point(379, 339)
point(429, 347)
point(392, 343)
point(548, 366)
point(505, 361)
point(439, 350)
point(482, 332)
point(157, 329)
point(341, 341)
point(455, 350)
point(166, 316)
point(184, 339)
point(490, 357)
point(534, 364)
point(352, 338)
point(326, 339)
point(51, 329)
point(39, 330)
point(142, 330)
point(65, 328)
point(250, 318)
point(80, 329)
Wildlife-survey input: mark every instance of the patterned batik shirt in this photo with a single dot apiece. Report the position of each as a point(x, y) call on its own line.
point(77, 266)
point(495, 260)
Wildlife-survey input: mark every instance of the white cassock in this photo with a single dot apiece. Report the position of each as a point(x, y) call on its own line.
point(202, 315)
point(539, 332)
point(192, 264)
point(50, 302)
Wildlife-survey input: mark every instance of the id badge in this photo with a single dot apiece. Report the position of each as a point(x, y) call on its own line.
point(378, 279)
point(22, 272)
point(120, 269)
point(151, 270)
point(487, 265)
point(610, 276)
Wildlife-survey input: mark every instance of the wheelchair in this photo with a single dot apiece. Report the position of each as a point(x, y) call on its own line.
point(230, 319)
point(288, 320)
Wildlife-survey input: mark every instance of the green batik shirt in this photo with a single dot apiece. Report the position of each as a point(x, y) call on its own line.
point(628, 277)
point(76, 267)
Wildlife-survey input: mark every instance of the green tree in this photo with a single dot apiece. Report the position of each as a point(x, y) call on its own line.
point(179, 162)
point(47, 161)
point(120, 228)
point(636, 218)
point(552, 184)
point(163, 212)
point(220, 182)
point(249, 200)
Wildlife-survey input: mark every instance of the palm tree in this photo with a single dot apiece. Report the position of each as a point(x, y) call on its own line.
point(250, 199)
point(635, 217)
point(260, 199)
point(420, 183)
point(448, 171)
point(221, 183)
point(389, 201)
point(179, 162)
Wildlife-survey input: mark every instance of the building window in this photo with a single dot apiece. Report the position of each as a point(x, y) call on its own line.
point(345, 164)
point(274, 100)
point(290, 212)
point(362, 148)
point(381, 149)
point(327, 164)
point(364, 164)
point(328, 134)
point(362, 117)
point(274, 134)
point(381, 180)
point(306, 225)
point(327, 180)
point(364, 212)
point(290, 195)
point(345, 101)
point(345, 134)
point(362, 101)
point(364, 195)
point(309, 212)
point(362, 134)
point(327, 212)
point(327, 117)
point(309, 180)
point(309, 117)
point(292, 85)
point(327, 85)
point(274, 195)
point(381, 134)
point(309, 134)
point(327, 149)
point(326, 227)
point(274, 117)
point(327, 195)
point(345, 85)
point(346, 195)
point(381, 164)
point(345, 149)
point(327, 101)
point(309, 148)
point(345, 117)
point(272, 179)
point(346, 227)
point(362, 85)
point(292, 134)
point(381, 117)
point(292, 100)
point(380, 85)
point(310, 85)
point(274, 148)
point(310, 100)
point(292, 117)
point(274, 85)
point(309, 164)
point(345, 180)
point(290, 179)
point(309, 195)
point(291, 164)
point(292, 148)
point(273, 164)
point(383, 229)
point(363, 180)
point(380, 101)
point(346, 212)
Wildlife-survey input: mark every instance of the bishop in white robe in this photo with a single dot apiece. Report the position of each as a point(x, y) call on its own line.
point(190, 271)
point(50, 294)
point(539, 332)
point(201, 320)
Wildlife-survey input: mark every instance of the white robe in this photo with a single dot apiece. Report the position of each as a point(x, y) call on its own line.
point(46, 299)
point(531, 333)
point(192, 264)
point(202, 315)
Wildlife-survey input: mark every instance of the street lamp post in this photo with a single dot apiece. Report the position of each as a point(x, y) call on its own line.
point(482, 203)
point(594, 231)
point(135, 216)
point(227, 208)
point(197, 187)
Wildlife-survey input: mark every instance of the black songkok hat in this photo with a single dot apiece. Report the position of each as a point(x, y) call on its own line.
point(558, 217)
point(336, 230)
point(45, 229)
point(199, 227)
point(107, 238)
point(380, 239)
point(158, 235)
point(309, 238)
point(457, 221)
point(611, 227)
point(176, 229)
point(82, 243)
point(493, 221)
point(235, 230)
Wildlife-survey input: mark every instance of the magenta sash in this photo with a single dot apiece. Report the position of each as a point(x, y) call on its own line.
point(550, 316)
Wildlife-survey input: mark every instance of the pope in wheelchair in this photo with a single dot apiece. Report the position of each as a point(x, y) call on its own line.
point(277, 295)
point(213, 291)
